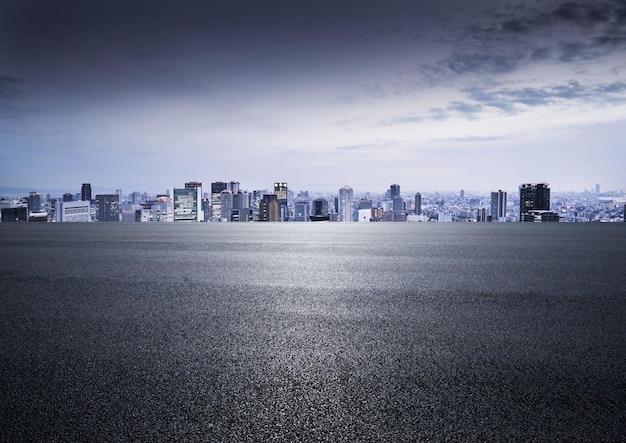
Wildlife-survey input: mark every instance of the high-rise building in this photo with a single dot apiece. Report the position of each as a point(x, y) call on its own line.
point(216, 198)
point(107, 207)
point(498, 206)
point(418, 204)
point(269, 208)
point(345, 204)
point(226, 204)
point(535, 203)
point(85, 192)
point(302, 211)
point(320, 210)
point(68, 197)
point(394, 191)
point(188, 203)
point(35, 202)
point(282, 192)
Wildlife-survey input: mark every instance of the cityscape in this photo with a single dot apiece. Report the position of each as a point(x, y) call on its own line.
point(227, 202)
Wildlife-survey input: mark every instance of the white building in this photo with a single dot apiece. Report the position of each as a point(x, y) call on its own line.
point(76, 211)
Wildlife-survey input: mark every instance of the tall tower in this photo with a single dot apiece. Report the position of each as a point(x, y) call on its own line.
point(345, 204)
point(533, 197)
point(216, 192)
point(85, 192)
point(188, 203)
point(269, 208)
point(281, 191)
point(418, 204)
point(34, 202)
point(498, 206)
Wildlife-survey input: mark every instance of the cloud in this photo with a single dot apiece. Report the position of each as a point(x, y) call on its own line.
point(401, 120)
point(514, 100)
point(510, 38)
point(9, 95)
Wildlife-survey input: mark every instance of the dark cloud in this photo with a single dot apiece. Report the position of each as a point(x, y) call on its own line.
point(10, 93)
point(568, 32)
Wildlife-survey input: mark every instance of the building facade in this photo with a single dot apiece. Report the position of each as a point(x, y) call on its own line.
point(498, 206)
point(107, 207)
point(73, 212)
point(269, 208)
point(345, 204)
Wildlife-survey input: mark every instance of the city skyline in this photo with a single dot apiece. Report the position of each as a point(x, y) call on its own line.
point(476, 95)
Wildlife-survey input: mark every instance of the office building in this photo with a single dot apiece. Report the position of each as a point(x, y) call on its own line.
point(269, 208)
point(85, 192)
point(418, 204)
point(68, 197)
point(302, 211)
point(345, 204)
point(320, 210)
point(107, 207)
point(535, 203)
point(282, 192)
point(187, 203)
point(72, 212)
point(216, 199)
point(396, 199)
point(159, 210)
point(35, 202)
point(498, 206)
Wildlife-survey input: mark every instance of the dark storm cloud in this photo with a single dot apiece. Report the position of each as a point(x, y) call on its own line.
point(511, 37)
point(10, 93)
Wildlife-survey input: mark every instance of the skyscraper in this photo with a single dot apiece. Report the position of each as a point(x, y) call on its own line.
point(345, 204)
point(534, 201)
point(34, 202)
point(320, 210)
point(269, 208)
point(107, 207)
point(188, 203)
point(85, 192)
point(418, 204)
point(216, 191)
point(498, 206)
point(282, 192)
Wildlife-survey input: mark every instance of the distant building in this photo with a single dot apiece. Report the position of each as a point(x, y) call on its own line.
point(269, 208)
point(73, 211)
point(85, 192)
point(14, 213)
point(302, 211)
point(319, 211)
point(418, 204)
point(345, 204)
point(159, 210)
point(188, 203)
point(535, 203)
point(282, 192)
point(498, 206)
point(365, 215)
point(35, 202)
point(108, 207)
point(68, 197)
point(216, 199)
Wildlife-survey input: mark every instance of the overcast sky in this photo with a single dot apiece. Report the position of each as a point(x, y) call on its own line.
point(432, 95)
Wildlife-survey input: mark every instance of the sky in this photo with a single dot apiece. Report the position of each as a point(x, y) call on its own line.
point(454, 94)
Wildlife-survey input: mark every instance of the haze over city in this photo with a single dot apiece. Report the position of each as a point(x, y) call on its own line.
point(478, 95)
